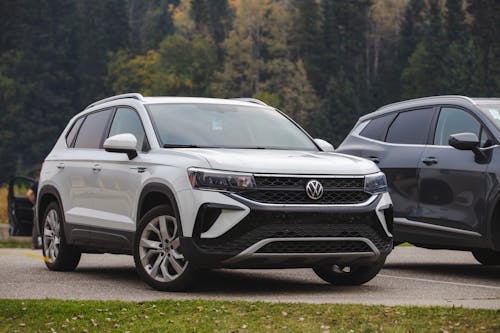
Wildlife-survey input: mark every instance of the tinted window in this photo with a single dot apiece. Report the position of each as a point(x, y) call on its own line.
point(377, 127)
point(92, 130)
point(410, 127)
point(72, 132)
point(452, 121)
point(127, 121)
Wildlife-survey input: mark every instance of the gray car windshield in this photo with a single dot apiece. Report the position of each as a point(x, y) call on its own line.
point(226, 126)
point(492, 111)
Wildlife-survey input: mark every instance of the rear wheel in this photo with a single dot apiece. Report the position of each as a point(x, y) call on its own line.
point(59, 256)
point(346, 275)
point(157, 252)
point(487, 257)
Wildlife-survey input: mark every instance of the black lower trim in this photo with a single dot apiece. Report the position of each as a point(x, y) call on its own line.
point(102, 240)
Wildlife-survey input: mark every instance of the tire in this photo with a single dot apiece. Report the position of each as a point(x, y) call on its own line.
point(487, 257)
point(157, 252)
point(349, 275)
point(58, 254)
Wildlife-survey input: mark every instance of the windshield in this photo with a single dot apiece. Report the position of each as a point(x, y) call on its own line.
point(226, 126)
point(492, 111)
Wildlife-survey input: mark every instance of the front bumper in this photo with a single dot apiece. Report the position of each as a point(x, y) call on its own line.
point(271, 236)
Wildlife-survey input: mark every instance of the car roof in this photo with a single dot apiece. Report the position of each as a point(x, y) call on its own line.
point(428, 101)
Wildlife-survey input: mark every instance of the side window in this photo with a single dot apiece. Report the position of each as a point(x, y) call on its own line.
point(127, 121)
point(452, 121)
point(92, 130)
point(410, 127)
point(72, 132)
point(377, 127)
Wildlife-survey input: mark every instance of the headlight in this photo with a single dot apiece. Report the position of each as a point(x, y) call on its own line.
point(220, 180)
point(375, 183)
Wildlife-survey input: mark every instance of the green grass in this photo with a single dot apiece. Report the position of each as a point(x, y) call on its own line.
point(15, 244)
point(224, 316)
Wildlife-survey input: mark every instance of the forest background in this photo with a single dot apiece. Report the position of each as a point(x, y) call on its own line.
point(325, 63)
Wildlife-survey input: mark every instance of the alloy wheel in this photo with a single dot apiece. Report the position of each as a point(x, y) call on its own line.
point(159, 249)
point(51, 235)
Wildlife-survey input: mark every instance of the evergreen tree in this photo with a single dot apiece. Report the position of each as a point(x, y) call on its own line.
point(425, 74)
point(412, 29)
point(455, 25)
point(200, 16)
point(306, 38)
point(485, 32)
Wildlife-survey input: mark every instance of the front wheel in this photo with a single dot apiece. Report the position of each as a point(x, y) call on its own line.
point(345, 275)
point(157, 252)
point(487, 257)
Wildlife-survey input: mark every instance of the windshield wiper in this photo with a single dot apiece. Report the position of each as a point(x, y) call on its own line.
point(174, 145)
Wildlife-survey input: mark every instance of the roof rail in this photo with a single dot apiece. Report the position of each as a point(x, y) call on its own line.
point(250, 100)
point(114, 98)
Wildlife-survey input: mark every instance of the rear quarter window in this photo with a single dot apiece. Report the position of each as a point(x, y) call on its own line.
point(70, 137)
point(376, 129)
point(410, 127)
point(92, 130)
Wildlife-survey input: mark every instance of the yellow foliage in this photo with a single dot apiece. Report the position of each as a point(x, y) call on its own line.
point(3, 204)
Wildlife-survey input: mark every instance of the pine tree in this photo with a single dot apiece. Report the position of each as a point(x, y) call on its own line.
point(306, 38)
point(485, 32)
point(412, 29)
point(455, 25)
point(200, 16)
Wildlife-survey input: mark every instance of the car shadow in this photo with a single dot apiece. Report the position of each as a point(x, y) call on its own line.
point(490, 273)
point(233, 282)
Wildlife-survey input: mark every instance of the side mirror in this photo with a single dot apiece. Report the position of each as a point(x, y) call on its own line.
point(122, 143)
point(324, 145)
point(464, 141)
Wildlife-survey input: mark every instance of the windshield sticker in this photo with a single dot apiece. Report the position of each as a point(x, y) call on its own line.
point(216, 124)
point(495, 113)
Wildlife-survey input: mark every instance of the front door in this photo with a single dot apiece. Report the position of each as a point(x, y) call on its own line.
point(118, 184)
point(452, 185)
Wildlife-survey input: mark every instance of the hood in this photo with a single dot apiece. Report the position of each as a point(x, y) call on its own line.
point(283, 161)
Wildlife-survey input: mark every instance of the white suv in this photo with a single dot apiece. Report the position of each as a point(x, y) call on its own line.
point(185, 184)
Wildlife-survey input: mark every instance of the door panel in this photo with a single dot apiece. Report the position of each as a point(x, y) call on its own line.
point(452, 190)
point(20, 209)
point(116, 190)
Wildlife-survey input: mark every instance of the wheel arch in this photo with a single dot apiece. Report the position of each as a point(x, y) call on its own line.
point(47, 194)
point(155, 194)
point(493, 226)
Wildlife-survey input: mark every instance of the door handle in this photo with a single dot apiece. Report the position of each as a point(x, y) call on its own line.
point(96, 168)
point(60, 166)
point(430, 160)
point(139, 169)
point(374, 159)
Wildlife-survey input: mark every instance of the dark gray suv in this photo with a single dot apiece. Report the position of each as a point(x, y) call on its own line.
point(442, 162)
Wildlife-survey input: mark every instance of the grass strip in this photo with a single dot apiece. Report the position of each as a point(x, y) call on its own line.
point(15, 244)
point(225, 316)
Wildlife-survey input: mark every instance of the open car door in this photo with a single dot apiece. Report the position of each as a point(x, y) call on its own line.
point(20, 208)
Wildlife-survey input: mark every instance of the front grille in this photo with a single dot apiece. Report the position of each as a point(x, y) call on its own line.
point(300, 197)
point(291, 190)
point(315, 247)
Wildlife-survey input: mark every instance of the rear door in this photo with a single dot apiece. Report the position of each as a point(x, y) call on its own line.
point(20, 209)
point(78, 175)
point(452, 185)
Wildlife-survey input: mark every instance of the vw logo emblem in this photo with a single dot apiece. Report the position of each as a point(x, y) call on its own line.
point(314, 189)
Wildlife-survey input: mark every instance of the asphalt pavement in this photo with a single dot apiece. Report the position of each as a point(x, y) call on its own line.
point(411, 276)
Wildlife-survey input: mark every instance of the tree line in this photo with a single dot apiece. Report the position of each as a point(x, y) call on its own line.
point(324, 62)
